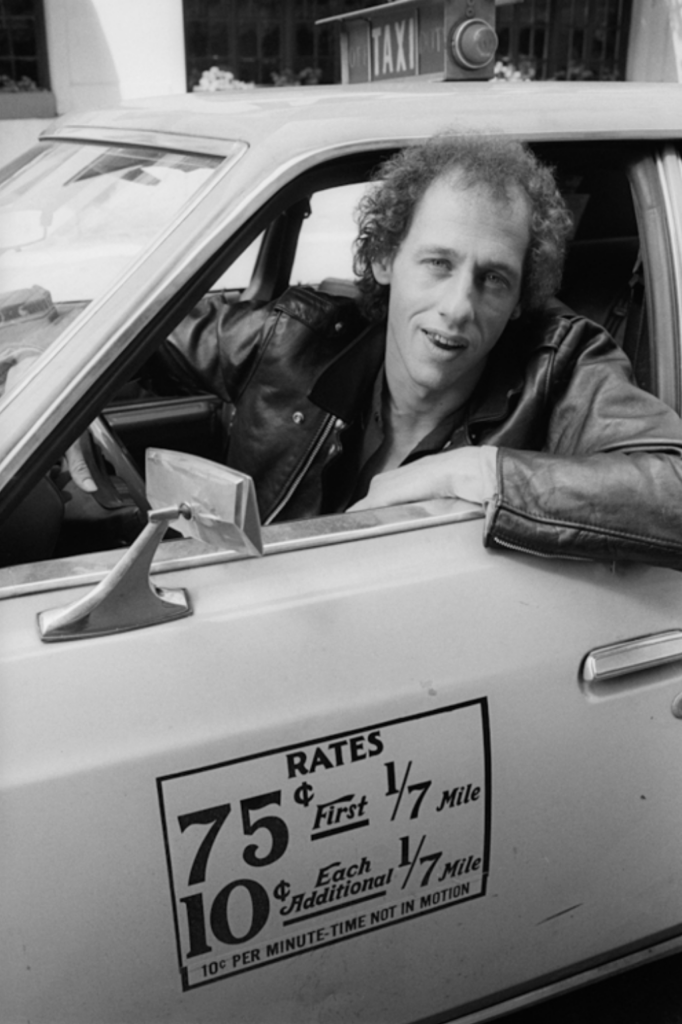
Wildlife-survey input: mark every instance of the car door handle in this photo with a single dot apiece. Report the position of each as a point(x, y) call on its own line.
point(632, 656)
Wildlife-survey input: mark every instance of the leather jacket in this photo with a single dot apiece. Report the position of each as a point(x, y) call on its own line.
point(589, 465)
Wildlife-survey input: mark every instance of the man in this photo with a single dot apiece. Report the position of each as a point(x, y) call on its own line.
point(454, 282)
point(473, 386)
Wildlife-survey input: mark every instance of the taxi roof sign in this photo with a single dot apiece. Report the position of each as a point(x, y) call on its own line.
point(454, 39)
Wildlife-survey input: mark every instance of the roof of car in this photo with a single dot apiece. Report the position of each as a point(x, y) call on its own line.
point(394, 113)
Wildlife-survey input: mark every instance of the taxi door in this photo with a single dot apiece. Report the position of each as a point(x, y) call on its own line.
point(379, 773)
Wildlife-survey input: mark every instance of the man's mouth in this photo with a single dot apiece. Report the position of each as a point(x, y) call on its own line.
point(446, 342)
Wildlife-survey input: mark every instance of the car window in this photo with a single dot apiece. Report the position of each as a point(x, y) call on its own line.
point(76, 215)
point(73, 217)
point(180, 414)
point(603, 277)
point(325, 244)
point(239, 273)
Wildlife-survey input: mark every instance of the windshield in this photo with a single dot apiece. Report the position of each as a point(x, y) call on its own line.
point(73, 217)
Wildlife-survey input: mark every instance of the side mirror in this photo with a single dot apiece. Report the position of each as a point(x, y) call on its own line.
point(222, 502)
point(202, 499)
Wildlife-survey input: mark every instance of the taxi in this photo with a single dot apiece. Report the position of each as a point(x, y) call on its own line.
point(356, 767)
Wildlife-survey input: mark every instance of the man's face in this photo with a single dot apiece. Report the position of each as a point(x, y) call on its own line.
point(455, 281)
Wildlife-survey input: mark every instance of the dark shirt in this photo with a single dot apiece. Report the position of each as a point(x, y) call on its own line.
point(348, 478)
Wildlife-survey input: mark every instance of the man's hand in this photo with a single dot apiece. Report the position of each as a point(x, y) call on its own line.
point(468, 473)
point(74, 458)
point(78, 467)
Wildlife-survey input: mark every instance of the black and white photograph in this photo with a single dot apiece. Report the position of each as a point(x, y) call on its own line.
point(340, 511)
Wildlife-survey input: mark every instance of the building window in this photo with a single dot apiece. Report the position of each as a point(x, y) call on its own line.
point(23, 51)
point(569, 39)
point(264, 41)
point(277, 41)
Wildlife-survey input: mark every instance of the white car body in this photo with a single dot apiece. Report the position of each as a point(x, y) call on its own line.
point(380, 773)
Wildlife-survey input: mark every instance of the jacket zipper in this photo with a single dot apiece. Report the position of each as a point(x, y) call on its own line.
point(517, 547)
point(536, 554)
point(317, 443)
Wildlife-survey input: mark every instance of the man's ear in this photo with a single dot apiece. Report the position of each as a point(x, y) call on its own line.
point(382, 270)
point(516, 312)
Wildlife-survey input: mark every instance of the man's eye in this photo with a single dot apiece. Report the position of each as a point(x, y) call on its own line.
point(494, 280)
point(438, 263)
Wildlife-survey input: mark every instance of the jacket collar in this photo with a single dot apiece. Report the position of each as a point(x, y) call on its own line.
point(501, 381)
point(342, 387)
point(506, 373)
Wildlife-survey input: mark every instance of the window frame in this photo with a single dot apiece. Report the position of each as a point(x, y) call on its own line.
point(644, 175)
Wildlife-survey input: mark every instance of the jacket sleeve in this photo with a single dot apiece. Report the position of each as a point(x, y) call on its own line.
point(221, 344)
point(607, 485)
point(215, 347)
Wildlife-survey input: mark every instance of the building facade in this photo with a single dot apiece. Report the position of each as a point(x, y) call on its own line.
point(63, 55)
point(276, 41)
point(566, 39)
point(267, 42)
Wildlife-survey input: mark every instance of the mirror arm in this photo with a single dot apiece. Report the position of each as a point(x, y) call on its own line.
point(126, 598)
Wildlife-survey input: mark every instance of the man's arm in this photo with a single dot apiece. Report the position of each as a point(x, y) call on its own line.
point(608, 506)
point(606, 486)
point(215, 346)
point(468, 473)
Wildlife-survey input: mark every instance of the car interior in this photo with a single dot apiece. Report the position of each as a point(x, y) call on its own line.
point(304, 235)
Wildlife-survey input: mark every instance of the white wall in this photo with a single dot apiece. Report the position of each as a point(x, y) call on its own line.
point(655, 49)
point(103, 52)
point(18, 135)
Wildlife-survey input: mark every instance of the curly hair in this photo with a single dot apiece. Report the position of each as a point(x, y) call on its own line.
point(503, 166)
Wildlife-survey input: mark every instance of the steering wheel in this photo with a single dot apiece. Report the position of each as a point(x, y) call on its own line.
point(117, 454)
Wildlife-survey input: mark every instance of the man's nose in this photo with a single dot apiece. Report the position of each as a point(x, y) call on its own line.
point(456, 301)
